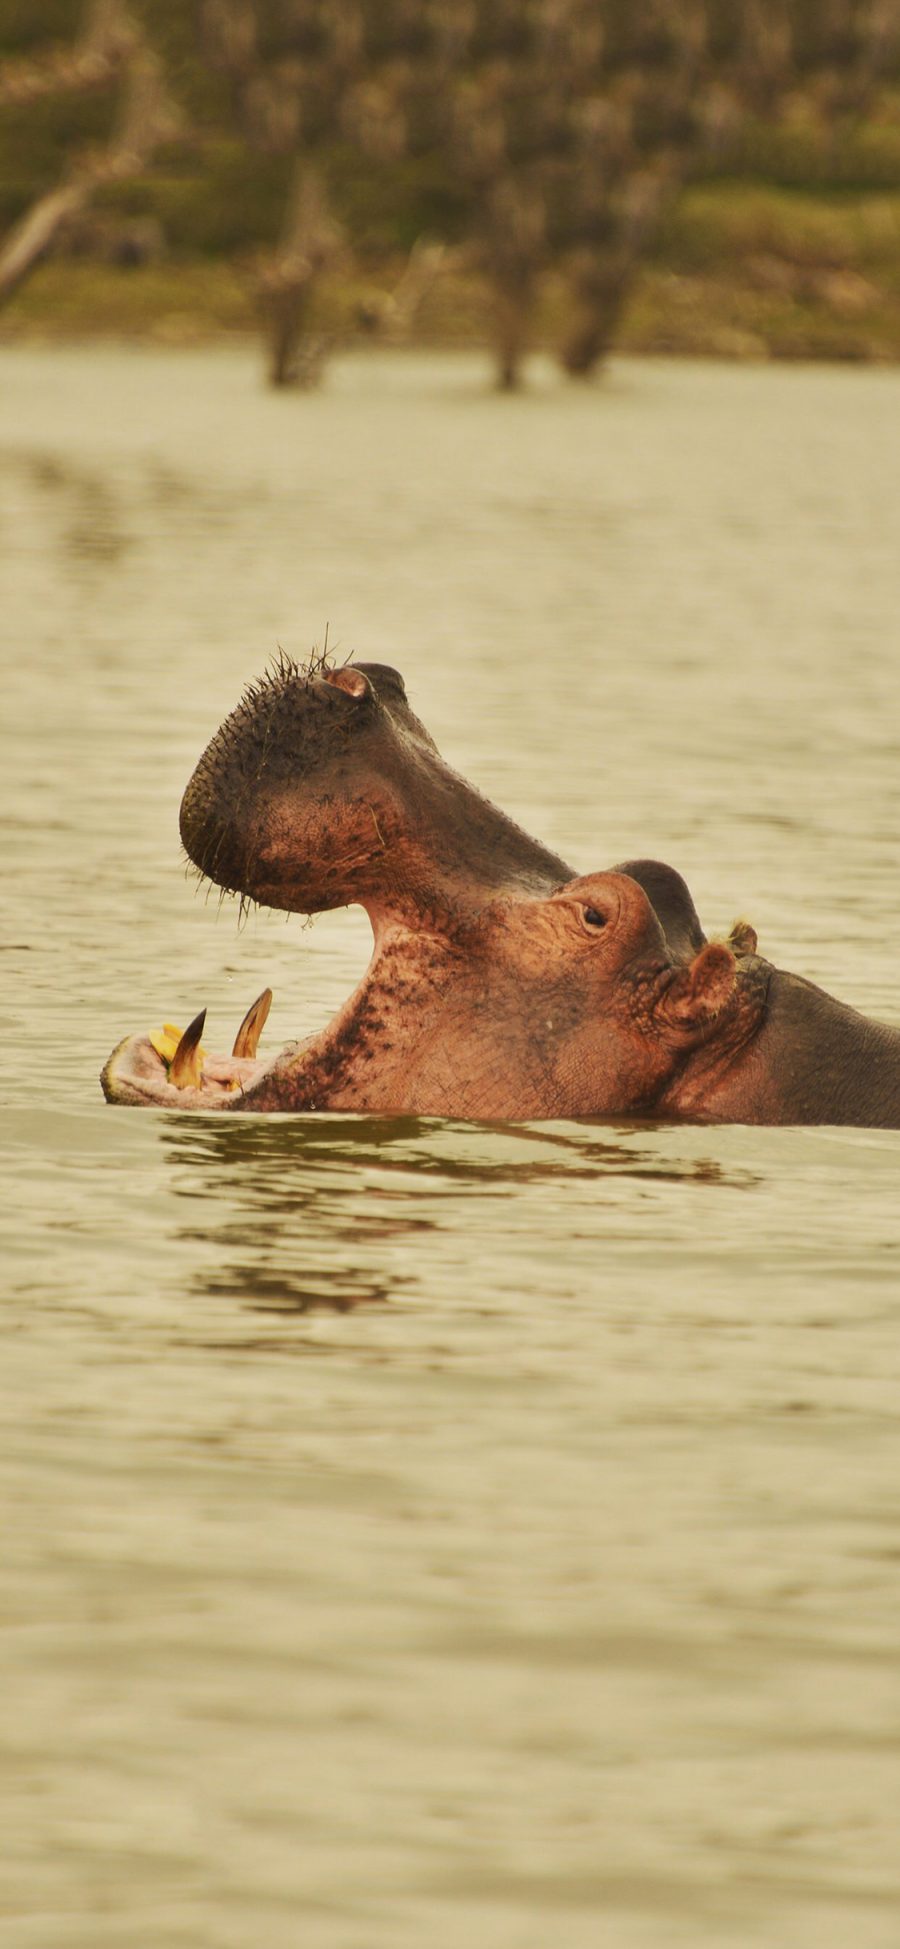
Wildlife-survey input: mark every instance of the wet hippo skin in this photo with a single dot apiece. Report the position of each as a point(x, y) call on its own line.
point(502, 985)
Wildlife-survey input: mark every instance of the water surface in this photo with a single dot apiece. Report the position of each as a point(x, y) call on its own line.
point(418, 1531)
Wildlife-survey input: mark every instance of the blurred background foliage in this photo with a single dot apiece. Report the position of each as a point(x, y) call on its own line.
point(711, 176)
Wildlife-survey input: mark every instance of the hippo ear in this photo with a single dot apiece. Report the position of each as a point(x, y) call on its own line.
point(703, 990)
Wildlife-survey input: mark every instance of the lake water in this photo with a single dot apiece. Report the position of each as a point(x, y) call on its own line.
point(418, 1532)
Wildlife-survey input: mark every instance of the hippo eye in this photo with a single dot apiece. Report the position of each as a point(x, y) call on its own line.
point(593, 918)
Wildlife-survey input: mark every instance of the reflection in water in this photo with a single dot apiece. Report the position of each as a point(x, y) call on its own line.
point(86, 502)
point(97, 515)
point(476, 1153)
point(299, 1211)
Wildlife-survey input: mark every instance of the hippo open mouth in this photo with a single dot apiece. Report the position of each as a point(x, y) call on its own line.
point(495, 974)
point(500, 986)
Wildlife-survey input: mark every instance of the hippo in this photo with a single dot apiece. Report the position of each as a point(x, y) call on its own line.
point(502, 985)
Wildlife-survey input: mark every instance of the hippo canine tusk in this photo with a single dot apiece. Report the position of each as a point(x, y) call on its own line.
point(186, 1066)
point(247, 1038)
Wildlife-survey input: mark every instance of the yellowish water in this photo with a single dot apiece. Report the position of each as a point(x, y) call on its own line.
point(417, 1532)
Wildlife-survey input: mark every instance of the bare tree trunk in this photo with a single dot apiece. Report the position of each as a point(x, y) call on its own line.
point(511, 255)
point(286, 281)
point(602, 287)
point(145, 119)
point(31, 238)
point(511, 307)
point(93, 61)
point(604, 275)
point(391, 315)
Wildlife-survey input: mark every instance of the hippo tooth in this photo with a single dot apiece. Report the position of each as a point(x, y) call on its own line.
point(186, 1066)
point(165, 1041)
point(247, 1038)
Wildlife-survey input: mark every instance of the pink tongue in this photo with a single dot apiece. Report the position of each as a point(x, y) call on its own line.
point(232, 1072)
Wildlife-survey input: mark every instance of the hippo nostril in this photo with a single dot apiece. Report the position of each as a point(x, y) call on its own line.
point(593, 917)
point(351, 681)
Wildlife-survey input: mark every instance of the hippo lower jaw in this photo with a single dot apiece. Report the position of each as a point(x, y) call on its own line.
point(358, 1061)
point(169, 1070)
point(338, 1067)
point(137, 1075)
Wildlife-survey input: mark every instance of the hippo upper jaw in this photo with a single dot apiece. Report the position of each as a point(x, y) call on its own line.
point(322, 789)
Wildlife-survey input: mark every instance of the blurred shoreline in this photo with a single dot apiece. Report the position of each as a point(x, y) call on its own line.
point(740, 272)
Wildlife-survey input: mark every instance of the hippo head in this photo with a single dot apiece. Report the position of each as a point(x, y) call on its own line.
point(594, 1012)
point(500, 986)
